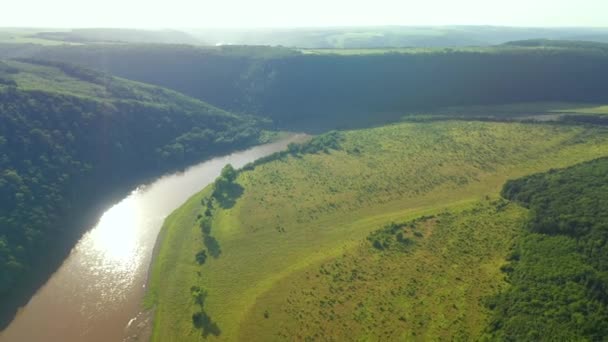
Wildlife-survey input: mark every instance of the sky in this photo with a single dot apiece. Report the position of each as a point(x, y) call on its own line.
point(301, 13)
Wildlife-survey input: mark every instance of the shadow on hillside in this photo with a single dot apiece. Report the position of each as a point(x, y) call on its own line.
point(231, 192)
point(212, 245)
point(203, 321)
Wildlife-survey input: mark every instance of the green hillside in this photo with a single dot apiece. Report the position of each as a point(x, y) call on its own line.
point(426, 280)
point(558, 270)
point(233, 255)
point(349, 85)
point(71, 138)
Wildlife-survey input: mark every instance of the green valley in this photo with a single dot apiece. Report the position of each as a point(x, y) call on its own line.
point(374, 183)
point(282, 234)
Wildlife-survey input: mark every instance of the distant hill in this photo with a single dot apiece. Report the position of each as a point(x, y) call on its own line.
point(317, 89)
point(572, 44)
point(114, 35)
point(308, 37)
point(393, 36)
point(293, 87)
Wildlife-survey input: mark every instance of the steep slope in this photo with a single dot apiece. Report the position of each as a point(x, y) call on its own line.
point(70, 138)
point(232, 256)
point(332, 88)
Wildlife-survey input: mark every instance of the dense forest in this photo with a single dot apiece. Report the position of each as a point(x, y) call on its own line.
point(558, 270)
point(294, 87)
point(65, 146)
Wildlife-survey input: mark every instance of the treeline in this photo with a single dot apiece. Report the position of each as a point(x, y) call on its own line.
point(59, 155)
point(325, 86)
point(321, 143)
point(558, 271)
point(295, 89)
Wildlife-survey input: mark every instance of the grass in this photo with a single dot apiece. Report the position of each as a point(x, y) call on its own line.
point(298, 213)
point(433, 289)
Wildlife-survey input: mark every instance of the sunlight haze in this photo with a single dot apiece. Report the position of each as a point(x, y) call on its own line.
point(282, 13)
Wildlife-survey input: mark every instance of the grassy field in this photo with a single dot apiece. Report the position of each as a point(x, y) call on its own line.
point(303, 211)
point(428, 284)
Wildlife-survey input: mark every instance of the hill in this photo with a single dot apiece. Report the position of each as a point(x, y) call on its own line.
point(266, 253)
point(71, 139)
point(392, 36)
point(348, 86)
point(114, 35)
point(80, 36)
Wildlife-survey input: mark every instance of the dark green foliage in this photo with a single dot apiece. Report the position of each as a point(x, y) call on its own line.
point(200, 319)
point(559, 270)
point(321, 143)
point(198, 295)
point(212, 245)
point(397, 236)
point(318, 91)
point(572, 202)
point(225, 190)
point(59, 153)
point(206, 223)
point(203, 321)
point(201, 257)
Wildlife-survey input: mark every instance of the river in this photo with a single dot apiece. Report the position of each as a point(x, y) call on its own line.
point(96, 294)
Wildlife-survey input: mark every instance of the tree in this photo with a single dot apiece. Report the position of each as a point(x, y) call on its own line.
point(201, 257)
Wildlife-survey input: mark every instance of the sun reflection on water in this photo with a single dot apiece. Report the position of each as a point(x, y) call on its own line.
point(113, 252)
point(115, 236)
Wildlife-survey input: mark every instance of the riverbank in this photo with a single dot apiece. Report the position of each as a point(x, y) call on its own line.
point(99, 287)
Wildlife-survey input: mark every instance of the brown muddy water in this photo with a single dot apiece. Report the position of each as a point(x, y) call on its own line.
point(96, 294)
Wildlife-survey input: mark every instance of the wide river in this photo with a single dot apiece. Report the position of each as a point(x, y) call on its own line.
point(96, 294)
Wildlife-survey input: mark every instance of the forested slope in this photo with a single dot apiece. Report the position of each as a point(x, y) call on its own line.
point(559, 269)
point(295, 88)
point(69, 137)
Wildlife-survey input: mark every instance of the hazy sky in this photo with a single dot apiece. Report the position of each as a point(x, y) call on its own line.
point(281, 13)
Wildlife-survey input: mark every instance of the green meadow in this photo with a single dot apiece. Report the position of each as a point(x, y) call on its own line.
point(427, 281)
point(288, 220)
